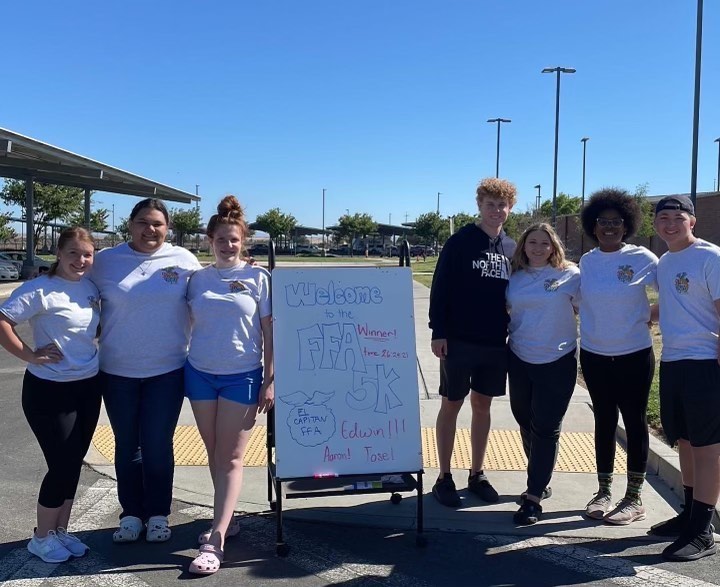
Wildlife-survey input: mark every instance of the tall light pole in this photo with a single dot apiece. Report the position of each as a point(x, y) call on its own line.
point(717, 186)
point(537, 200)
point(696, 108)
point(438, 203)
point(499, 121)
point(584, 141)
point(323, 222)
point(558, 71)
point(113, 225)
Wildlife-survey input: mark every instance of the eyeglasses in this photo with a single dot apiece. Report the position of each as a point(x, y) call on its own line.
point(614, 222)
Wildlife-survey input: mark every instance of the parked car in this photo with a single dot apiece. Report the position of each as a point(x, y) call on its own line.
point(8, 271)
point(259, 249)
point(18, 257)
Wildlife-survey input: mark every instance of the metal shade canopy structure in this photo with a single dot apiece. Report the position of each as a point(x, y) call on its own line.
point(31, 160)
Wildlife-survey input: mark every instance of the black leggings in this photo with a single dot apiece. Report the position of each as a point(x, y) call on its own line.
point(63, 416)
point(620, 384)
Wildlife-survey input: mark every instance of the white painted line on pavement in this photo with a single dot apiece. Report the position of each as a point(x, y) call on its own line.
point(22, 569)
point(592, 562)
point(313, 556)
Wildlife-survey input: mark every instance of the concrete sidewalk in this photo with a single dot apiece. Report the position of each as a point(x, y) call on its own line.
point(562, 513)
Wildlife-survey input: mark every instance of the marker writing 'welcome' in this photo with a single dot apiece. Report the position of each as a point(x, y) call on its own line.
point(309, 294)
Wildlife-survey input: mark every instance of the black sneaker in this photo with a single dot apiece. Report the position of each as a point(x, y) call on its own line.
point(691, 548)
point(528, 514)
point(546, 494)
point(480, 486)
point(445, 492)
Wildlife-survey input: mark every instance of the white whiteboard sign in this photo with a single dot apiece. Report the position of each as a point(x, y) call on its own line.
point(346, 389)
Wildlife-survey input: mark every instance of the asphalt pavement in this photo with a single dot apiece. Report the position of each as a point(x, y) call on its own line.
point(355, 539)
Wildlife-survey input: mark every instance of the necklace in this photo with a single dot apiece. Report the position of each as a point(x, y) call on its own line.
point(228, 271)
point(143, 264)
point(537, 272)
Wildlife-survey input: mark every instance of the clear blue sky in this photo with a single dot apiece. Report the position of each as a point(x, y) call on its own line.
point(382, 102)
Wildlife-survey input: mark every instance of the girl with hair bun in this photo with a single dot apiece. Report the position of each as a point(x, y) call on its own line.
point(229, 372)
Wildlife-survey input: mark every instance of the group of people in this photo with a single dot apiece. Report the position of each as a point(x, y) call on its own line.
point(141, 325)
point(167, 329)
point(505, 311)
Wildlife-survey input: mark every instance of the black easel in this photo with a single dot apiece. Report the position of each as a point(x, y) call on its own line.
point(303, 487)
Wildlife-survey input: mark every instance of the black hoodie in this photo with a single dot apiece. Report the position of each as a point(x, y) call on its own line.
point(467, 299)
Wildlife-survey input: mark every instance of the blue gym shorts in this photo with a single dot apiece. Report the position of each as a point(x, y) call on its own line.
point(242, 388)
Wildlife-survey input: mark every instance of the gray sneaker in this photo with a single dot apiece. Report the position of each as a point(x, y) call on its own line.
point(626, 512)
point(598, 506)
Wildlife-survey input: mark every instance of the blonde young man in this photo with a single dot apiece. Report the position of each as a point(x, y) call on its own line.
point(469, 322)
point(689, 280)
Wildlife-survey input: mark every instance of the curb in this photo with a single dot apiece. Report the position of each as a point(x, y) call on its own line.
point(664, 462)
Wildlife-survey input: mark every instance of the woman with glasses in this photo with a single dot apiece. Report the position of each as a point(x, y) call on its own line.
point(616, 354)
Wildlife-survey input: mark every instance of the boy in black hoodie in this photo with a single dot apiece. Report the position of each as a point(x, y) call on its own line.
point(469, 321)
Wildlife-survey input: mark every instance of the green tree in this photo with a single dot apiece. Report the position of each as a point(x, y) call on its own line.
point(518, 222)
point(276, 223)
point(51, 202)
point(646, 228)
point(7, 232)
point(123, 229)
point(184, 222)
point(350, 227)
point(429, 227)
point(566, 204)
point(98, 219)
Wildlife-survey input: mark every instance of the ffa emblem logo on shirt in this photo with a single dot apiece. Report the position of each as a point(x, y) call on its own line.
point(625, 273)
point(551, 284)
point(94, 303)
point(682, 283)
point(236, 286)
point(170, 274)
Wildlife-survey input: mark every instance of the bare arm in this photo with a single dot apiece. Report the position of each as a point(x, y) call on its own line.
point(266, 399)
point(12, 343)
point(717, 309)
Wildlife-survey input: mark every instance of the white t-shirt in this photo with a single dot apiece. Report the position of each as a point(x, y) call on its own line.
point(64, 312)
point(145, 323)
point(542, 319)
point(226, 306)
point(689, 285)
point(614, 308)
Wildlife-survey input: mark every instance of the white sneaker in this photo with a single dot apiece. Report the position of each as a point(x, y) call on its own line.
point(72, 543)
point(49, 549)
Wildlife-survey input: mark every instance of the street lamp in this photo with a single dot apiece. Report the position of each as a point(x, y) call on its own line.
point(584, 141)
point(696, 108)
point(323, 221)
point(717, 186)
point(537, 200)
point(438, 203)
point(558, 71)
point(499, 121)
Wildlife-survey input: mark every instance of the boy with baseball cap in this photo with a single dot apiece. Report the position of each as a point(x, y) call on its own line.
point(689, 282)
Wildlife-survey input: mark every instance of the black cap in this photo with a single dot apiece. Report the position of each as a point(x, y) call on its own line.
point(682, 203)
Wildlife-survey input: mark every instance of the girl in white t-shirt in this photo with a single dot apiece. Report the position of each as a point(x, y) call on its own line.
point(542, 368)
point(616, 353)
point(60, 395)
point(229, 373)
point(145, 325)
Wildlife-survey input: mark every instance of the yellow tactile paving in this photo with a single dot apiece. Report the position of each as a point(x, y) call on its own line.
point(504, 453)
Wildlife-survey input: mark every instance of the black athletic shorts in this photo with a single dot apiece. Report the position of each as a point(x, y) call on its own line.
point(690, 401)
point(470, 366)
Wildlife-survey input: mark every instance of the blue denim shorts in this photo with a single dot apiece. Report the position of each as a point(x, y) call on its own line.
point(242, 388)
